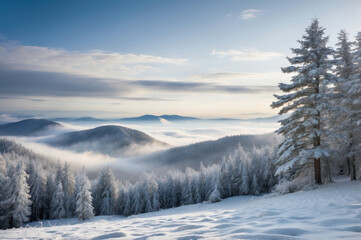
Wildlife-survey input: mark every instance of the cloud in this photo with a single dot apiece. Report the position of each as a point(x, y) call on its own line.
point(30, 83)
point(246, 55)
point(145, 99)
point(202, 87)
point(29, 99)
point(95, 63)
point(89, 158)
point(35, 83)
point(179, 134)
point(228, 76)
point(249, 13)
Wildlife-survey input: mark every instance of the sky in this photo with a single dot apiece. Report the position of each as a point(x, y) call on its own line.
point(128, 58)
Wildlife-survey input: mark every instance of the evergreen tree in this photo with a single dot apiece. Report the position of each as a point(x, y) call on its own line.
point(136, 205)
point(50, 189)
point(84, 208)
point(68, 183)
point(155, 201)
point(196, 188)
point(58, 209)
point(254, 185)
point(20, 198)
point(59, 173)
point(170, 193)
point(352, 100)
point(154, 187)
point(244, 187)
point(215, 196)
point(128, 200)
point(202, 182)
point(303, 130)
point(120, 201)
point(37, 184)
point(105, 193)
point(5, 193)
point(341, 120)
point(145, 189)
point(187, 197)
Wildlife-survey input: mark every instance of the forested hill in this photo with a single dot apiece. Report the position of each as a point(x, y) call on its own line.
point(209, 152)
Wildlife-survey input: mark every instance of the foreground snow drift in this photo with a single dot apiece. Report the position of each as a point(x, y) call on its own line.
point(332, 211)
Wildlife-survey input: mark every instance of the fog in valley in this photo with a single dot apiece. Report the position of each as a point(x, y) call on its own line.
point(133, 148)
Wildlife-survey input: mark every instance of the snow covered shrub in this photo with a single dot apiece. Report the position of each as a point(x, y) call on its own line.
point(285, 186)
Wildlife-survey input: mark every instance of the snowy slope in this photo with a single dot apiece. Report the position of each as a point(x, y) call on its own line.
point(332, 211)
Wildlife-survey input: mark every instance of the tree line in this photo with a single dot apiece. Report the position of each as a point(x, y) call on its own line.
point(29, 193)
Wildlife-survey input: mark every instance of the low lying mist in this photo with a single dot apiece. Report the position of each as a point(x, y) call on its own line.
point(190, 144)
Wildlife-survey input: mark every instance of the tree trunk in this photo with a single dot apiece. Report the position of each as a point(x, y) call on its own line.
point(328, 170)
point(352, 168)
point(317, 163)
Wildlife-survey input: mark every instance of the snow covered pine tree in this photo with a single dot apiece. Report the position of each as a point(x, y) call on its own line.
point(84, 208)
point(20, 198)
point(303, 129)
point(342, 121)
point(353, 97)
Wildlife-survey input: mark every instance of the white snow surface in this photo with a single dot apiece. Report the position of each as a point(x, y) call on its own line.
point(332, 211)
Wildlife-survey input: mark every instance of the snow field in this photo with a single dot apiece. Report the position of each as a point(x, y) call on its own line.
point(332, 211)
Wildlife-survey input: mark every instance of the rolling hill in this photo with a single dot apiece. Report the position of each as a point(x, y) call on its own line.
point(29, 127)
point(111, 140)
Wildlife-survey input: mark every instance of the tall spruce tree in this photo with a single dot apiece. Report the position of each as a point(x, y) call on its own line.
point(58, 209)
point(68, 183)
point(342, 119)
point(353, 96)
point(20, 198)
point(105, 194)
point(37, 182)
point(303, 130)
point(84, 208)
point(5, 192)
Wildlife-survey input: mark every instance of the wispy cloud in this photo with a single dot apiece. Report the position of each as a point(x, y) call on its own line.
point(249, 13)
point(246, 54)
point(15, 83)
point(198, 87)
point(95, 63)
point(229, 76)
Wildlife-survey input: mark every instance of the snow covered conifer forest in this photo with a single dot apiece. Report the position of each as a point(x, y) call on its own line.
point(42, 192)
point(320, 140)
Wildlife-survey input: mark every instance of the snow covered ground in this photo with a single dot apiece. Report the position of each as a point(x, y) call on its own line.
point(332, 211)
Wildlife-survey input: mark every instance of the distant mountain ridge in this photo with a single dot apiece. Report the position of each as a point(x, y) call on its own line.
point(149, 117)
point(81, 119)
point(110, 139)
point(28, 127)
point(169, 118)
